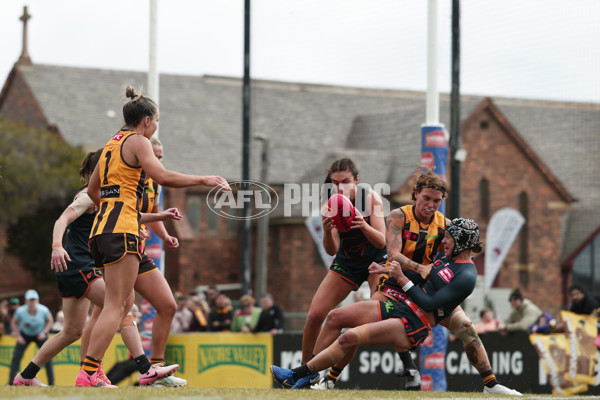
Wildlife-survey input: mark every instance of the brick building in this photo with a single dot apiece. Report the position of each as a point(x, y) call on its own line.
point(535, 156)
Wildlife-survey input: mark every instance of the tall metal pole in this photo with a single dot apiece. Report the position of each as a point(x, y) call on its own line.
point(432, 108)
point(263, 225)
point(434, 141)
point(153, 78)
point(246, 152)
point(455, 144)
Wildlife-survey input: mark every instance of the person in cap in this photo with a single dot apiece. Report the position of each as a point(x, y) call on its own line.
point(31, 323)
point(405, 323)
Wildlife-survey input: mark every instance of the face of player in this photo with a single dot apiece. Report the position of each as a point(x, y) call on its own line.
point(158, 152)
point(448, 243)
point(345, 183)
point(428, 201)
point(152, 125)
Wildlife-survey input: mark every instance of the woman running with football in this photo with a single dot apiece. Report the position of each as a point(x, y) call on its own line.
point(354, 250)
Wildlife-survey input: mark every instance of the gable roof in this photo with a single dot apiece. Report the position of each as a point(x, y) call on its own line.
point(311, 125)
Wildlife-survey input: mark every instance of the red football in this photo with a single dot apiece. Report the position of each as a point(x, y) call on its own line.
point(342, 212)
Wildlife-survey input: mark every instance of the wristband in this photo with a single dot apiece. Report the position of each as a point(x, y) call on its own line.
point(56, 244)
point(407, 287)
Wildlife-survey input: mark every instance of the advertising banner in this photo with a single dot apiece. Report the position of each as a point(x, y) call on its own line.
point(434, 151)
point(502, 230)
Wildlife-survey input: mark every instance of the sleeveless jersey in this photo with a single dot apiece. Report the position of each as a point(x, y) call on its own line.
point(355, 249)
point(76, 244)
point(149, 197)
point(420, 242)
point(448, 285)
point(121, 187)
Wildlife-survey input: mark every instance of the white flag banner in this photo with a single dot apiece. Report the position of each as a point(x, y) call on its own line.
point(315, 227)
point(501, 233)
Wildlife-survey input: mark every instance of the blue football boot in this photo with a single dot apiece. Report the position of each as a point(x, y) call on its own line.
point(283, 376)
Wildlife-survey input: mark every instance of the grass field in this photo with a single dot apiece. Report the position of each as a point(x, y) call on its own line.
point(131, 393)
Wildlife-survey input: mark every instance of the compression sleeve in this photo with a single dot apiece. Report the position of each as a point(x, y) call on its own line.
point(455, 292)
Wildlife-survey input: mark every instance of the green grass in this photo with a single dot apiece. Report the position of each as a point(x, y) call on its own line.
point(134, 393)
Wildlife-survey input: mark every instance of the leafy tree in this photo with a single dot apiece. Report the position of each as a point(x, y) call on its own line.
point(38, 175)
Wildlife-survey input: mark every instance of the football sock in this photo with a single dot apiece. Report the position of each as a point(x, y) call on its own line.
point(90, 365)
point(333, 374)
point(407, 360)
point(489, 379)
point(300, 372)
point(142, 364)
point(157, 360)
point(30, 371)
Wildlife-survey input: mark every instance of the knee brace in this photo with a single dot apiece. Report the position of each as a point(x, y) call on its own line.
point(129, 320)
point(462, 327)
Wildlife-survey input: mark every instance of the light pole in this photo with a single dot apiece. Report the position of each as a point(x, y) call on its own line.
point(263, 223)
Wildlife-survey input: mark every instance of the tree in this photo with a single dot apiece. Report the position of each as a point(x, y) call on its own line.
point(38, 175)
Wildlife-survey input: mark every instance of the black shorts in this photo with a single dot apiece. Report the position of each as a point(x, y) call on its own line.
point(76, 284)
point(110, 248)
point(146, 265)
point(355, 274)
point(390, 288)
point(416, 330)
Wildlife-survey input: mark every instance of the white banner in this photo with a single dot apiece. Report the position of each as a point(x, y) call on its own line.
point(315, 227)
point(501, 233)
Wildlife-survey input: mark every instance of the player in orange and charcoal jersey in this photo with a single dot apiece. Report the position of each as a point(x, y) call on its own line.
point(354, 250)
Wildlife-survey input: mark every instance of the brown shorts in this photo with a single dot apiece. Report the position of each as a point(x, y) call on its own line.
point(110, 248)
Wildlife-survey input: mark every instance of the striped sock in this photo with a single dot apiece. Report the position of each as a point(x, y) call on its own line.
point(489, 379)
point(90, 365)
point(333, 374)
point(155, 361)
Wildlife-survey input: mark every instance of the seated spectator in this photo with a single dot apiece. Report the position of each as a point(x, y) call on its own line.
point(3, 314)
point(523, 315)
point(220, 317)
point(199, 309)
point(183, 316)
point(544, 324)
point(211, 296)
point(271, 318)
point(13, 304)
point(488, 322)
point(59, 323)
point(246, 318)
point(581, 301)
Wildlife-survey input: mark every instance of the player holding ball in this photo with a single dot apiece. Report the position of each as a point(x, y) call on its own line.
point(353, 231)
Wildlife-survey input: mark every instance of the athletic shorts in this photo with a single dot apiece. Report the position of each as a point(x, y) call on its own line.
point(110, 248)
point(355, 274)
point(390, 288)
point(146, 265)
point(415, 328)
point(76, 284)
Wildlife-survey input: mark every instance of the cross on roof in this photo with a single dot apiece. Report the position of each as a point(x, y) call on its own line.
point(24, 58)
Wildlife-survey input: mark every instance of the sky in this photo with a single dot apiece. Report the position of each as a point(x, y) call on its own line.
point(535, 49)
